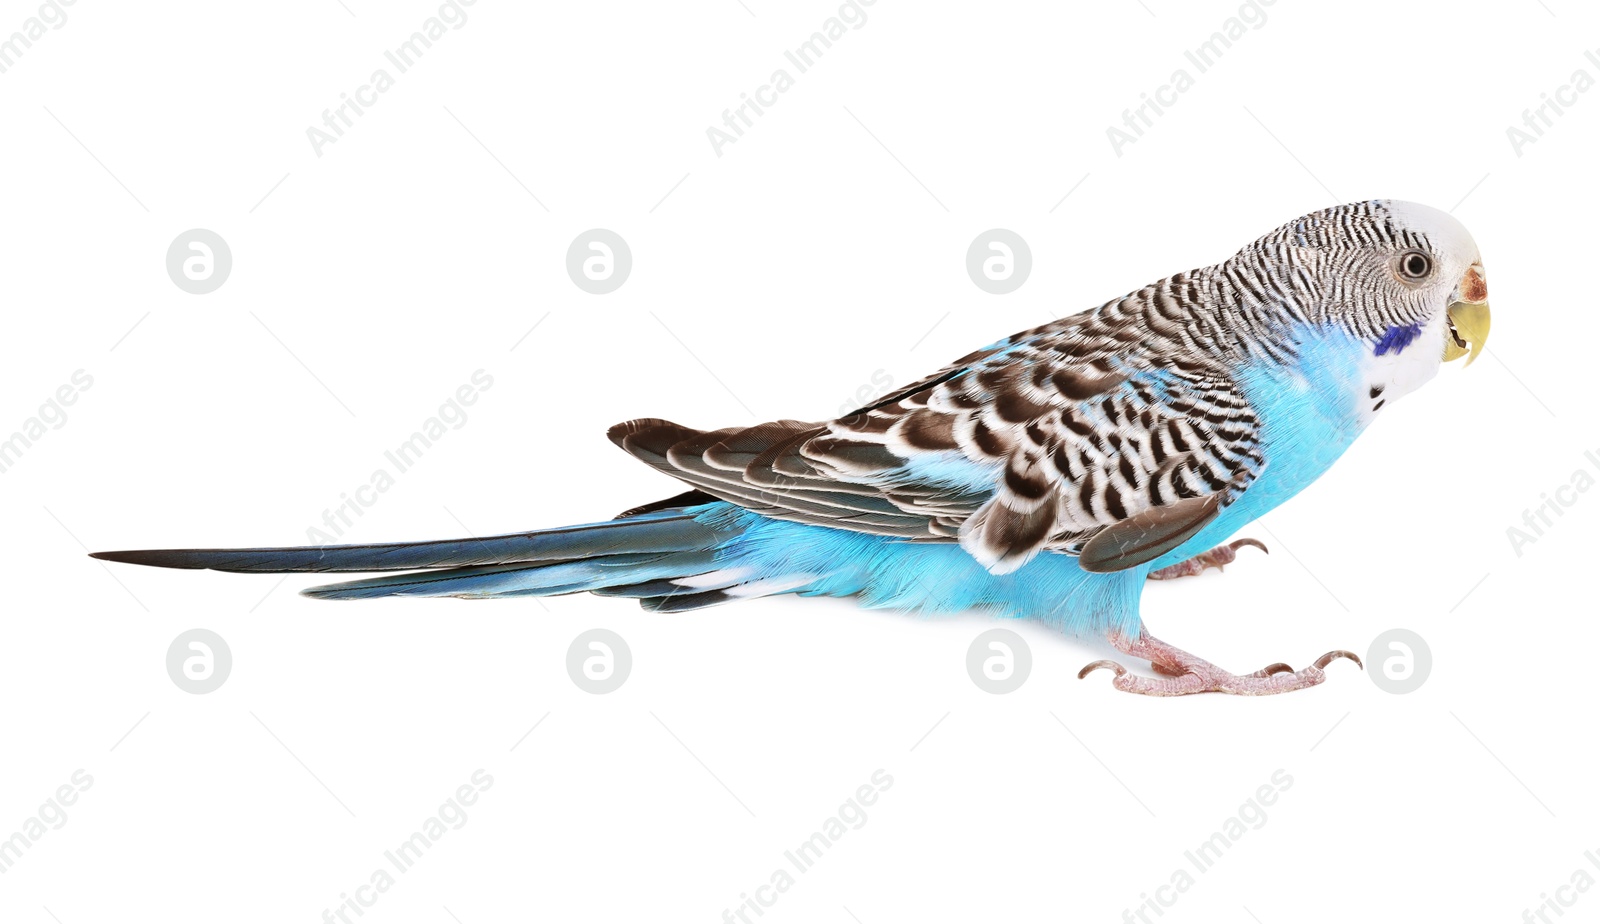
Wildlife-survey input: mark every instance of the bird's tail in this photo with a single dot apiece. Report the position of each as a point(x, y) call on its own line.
point(693, 551)
point(670, 557)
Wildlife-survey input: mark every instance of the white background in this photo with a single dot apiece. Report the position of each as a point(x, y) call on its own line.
point(823, 249)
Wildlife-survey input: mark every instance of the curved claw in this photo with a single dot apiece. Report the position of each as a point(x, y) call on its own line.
point(1278, 668)
point(1332, 656)
point(1218, 558)
point(1097, 665)
point(1236, 544)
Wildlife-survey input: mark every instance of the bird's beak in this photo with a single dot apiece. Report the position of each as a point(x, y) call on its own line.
point(1468, 317)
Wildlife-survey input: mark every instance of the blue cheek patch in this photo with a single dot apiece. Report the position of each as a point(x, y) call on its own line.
point(1397, 338)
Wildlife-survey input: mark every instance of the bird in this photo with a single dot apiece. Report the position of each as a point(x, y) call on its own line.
point(1047, 476)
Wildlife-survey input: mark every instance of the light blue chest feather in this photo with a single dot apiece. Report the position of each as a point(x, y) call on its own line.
point(1309, 417)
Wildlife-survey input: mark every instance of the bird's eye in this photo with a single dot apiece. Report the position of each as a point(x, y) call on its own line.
point(1416, 265)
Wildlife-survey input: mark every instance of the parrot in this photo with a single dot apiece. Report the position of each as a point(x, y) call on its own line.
point(1047, 476)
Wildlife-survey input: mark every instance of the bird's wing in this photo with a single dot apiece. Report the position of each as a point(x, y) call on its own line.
point(1076, 437)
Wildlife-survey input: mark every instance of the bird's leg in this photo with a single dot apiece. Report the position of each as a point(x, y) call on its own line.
point(1216, 558)
point(1183, 673)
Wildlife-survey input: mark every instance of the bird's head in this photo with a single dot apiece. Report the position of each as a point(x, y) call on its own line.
point(1393, 273)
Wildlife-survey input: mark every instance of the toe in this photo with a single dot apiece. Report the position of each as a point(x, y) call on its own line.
point(1097, 665)
point(1332, 656)
point(1238, 544)
point(1270, 669)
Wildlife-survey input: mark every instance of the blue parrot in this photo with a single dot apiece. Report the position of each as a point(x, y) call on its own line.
point(1046, 476)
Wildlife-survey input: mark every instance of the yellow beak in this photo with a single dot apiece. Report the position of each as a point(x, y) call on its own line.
point(1468, 318)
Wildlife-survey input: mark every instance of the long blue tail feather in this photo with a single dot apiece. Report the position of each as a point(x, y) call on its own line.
point(523, 580)
point(662, 531)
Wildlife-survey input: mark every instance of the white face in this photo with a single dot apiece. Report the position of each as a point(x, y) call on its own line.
point(1398, 373)
point(1456, 274)
point(1454, 250)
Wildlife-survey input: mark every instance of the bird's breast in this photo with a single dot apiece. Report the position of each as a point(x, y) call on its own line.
point(1309, 412)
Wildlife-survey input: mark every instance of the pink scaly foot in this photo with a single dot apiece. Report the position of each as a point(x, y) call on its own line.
point(1183, 673)
point(1216, 558)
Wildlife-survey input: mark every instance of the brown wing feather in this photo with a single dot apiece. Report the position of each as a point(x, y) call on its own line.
point(1078, 437)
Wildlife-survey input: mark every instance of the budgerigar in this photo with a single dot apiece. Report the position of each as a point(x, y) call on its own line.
point(1046, 476)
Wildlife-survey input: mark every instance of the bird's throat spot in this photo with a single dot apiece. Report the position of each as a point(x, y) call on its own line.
point(1397, 338)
